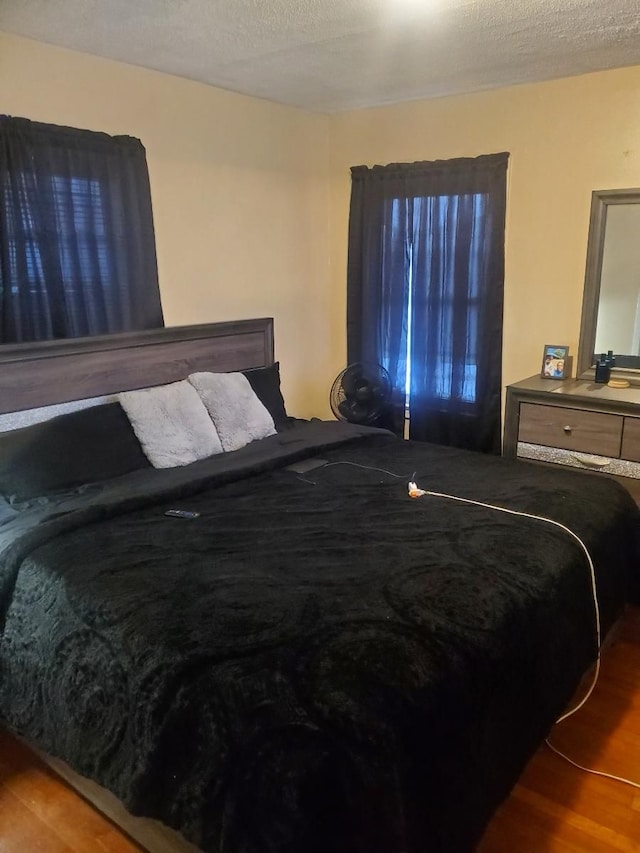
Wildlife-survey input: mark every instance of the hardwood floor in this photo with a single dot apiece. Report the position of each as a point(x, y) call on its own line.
point(554, 808)
point(40, 814)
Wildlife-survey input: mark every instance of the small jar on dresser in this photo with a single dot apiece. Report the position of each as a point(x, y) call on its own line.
point(574, 422)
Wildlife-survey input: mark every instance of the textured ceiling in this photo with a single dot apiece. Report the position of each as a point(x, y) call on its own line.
point(331, 55)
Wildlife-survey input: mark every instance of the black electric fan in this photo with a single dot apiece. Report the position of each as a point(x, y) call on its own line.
point(361, 393)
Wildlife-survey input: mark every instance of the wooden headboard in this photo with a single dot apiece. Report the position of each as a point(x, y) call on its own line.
point(42, 374)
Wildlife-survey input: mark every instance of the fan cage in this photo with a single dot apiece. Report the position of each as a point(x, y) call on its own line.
point(361, 393)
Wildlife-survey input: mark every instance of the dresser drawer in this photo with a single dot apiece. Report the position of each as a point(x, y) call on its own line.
point(571, 429)
point(631, 439)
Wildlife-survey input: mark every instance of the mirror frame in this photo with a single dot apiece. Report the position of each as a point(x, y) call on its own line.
point(600, 201)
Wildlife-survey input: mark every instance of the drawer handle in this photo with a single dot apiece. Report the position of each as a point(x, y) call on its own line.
point(567, 428)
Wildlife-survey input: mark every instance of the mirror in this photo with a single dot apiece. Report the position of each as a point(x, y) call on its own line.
point(611, 302)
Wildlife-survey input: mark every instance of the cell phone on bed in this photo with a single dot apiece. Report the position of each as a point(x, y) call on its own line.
point(181, 513)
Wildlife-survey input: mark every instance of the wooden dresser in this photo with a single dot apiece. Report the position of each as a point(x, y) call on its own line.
point(574, 422)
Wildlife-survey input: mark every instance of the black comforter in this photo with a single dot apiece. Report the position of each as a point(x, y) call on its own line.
point(317, 662)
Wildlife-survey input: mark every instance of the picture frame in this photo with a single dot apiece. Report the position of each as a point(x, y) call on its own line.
point(555, 362)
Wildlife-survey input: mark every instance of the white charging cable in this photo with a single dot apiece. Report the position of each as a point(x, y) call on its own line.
point(414, 491)
point(592, 573)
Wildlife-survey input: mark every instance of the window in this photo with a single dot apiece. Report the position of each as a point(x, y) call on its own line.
point(425, 287)
point(442, 306)
point(77, 250)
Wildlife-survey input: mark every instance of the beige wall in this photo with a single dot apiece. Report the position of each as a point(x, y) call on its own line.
point(566, 138)
point(251, 199)
point(239, 189)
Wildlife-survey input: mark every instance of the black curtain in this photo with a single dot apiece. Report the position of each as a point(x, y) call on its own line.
point(425, 287)
point(77, 246)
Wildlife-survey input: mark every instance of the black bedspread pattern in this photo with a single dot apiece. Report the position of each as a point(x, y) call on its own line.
point(317, 662)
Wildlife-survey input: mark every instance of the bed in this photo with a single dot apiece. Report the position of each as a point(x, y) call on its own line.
point(315, 661)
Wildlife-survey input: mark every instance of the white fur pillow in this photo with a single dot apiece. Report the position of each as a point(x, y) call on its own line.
point(236, 411)
point(171, 424)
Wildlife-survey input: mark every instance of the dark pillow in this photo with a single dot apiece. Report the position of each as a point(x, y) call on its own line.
point(79, 447)
point(265, 381)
